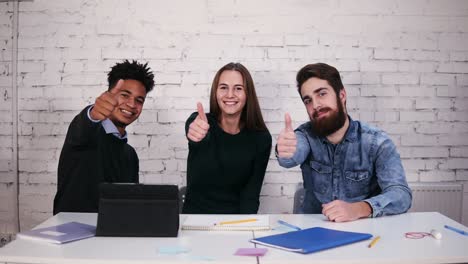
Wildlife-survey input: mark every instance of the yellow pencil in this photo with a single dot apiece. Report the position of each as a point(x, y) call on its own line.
point(238, 221)
point(372, 243)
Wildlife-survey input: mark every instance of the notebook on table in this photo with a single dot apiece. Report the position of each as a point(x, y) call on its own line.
point(60, 234)
point(311, 240)
point(226, 222)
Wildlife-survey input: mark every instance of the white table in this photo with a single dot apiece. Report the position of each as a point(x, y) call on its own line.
point(205, 247)
point(392, 247)
point(219, 246)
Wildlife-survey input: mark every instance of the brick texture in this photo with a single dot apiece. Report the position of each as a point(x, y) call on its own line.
point(404, 64)
point(8, 200)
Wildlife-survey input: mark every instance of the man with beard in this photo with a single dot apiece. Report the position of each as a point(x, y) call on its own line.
point(350, 169)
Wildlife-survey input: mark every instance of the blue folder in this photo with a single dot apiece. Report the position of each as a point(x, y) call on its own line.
point(311, 240)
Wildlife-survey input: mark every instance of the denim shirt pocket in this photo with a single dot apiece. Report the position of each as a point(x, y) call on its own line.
point(320, 177)
point(357, 184)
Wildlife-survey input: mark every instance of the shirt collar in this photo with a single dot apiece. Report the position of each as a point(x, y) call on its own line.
point(352, 133)
point(110, 128)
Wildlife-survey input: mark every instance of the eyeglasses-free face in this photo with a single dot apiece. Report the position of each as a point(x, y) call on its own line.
point(230, 93)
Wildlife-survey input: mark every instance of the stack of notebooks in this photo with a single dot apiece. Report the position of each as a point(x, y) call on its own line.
point(226, 222)
point(311, 240)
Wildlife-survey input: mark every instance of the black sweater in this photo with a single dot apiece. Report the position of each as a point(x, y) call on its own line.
point(225, 172)
point(90, 156)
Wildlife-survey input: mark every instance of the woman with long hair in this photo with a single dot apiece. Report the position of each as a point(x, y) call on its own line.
point(229, 147)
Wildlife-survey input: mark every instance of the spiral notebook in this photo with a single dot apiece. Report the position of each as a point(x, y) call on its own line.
point(311, 240)
point(226, 222)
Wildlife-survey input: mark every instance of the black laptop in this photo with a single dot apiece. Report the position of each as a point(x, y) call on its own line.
point(138, 210)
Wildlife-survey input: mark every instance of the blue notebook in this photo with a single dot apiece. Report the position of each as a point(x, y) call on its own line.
point(311, 240)
point(60, 234)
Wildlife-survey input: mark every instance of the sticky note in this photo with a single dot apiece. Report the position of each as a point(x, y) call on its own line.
point(172, 250)
point(251, 252)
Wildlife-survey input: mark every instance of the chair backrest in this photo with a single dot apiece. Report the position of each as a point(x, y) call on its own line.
point(298, 200)
point(182, 191)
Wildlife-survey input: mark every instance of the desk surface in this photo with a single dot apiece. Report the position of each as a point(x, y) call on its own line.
point(219, 246)
point(392, 247)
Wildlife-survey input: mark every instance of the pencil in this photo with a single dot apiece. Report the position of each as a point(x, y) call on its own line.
point(372, 243)
point(289, 225)
point(238, 221)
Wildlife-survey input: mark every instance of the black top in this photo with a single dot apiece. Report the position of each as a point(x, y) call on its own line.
point(90, 156)
point(225, 172)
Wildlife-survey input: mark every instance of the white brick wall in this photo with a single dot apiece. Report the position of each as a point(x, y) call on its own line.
point(404, 63)
point(7, 177)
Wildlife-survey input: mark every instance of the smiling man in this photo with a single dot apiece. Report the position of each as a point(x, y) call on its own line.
point(95, 148)
point(350, 169)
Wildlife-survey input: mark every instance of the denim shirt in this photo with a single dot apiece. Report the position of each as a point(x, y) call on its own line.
point(364, 166)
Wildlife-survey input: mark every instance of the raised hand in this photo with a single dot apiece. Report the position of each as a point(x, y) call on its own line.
point(287, 141)
point(106, 103)
point(199, 127)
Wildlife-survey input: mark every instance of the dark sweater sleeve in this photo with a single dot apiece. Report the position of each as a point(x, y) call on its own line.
point(82, 131)
point(187, 125)
point(250, 195)
point(76, 153)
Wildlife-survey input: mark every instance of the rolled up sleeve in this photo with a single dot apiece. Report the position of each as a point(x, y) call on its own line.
point(396, 195)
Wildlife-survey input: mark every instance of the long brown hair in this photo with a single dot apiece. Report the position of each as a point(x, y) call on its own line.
point(251, 116)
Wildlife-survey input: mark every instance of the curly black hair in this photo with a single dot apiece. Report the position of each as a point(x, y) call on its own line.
point(131, 70)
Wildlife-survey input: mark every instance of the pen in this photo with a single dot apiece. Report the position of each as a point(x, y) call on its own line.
point(456, 230)
point(372, 243)
point(289, 225)
point(237, 221)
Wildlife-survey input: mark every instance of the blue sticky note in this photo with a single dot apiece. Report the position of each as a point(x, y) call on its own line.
point(172, 250)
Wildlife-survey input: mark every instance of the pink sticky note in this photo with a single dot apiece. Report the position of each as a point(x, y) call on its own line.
point(251, 252)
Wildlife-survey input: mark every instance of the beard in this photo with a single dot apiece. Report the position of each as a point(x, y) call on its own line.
point(326, 126)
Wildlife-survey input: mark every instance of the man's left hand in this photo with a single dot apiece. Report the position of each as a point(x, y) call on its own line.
point(341, 211)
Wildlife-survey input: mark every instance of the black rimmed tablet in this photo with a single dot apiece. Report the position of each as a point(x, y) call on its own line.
point(138, 210)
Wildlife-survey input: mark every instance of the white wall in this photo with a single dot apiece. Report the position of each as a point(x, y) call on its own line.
point(404, 65)
point(7, 175)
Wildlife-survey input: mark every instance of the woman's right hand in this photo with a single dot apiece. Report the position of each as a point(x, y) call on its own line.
point(199, 127)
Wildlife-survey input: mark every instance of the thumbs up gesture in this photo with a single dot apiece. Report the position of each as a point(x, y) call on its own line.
point(106, 103)
point(199, 127)
point(287, 139)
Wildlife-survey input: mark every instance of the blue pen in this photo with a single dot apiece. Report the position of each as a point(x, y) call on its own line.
point(456, 230)
point(288, 225)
